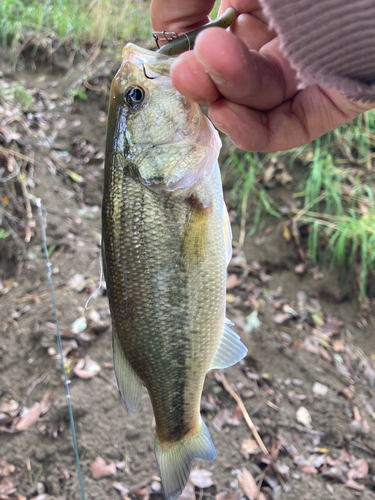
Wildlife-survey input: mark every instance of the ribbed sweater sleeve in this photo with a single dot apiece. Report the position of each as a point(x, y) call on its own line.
point(328, 42)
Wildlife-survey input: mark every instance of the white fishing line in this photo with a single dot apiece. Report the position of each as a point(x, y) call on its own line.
point(94, 294)
point(42, 223)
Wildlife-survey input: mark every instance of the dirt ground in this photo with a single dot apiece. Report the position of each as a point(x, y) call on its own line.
point(311, 331)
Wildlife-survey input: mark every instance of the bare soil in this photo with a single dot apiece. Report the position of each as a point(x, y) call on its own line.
point(274, 380)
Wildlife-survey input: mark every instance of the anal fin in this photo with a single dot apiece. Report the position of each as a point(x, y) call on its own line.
point(129, 384)
point(230, 350)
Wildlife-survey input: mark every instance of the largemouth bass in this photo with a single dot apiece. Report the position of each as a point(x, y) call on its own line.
point(166, 246)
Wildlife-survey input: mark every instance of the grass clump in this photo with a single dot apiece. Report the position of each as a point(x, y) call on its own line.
point(44, 22)
point(336, 195)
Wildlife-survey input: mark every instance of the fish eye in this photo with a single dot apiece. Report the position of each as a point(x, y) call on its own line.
point(134, 96)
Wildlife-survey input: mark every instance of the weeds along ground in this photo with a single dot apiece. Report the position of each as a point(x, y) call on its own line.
point(332, 201)
point(329, 184)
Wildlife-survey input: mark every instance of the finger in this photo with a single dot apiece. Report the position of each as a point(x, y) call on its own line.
point(242, 76)
point(191, 79)
point(179, 16)
point(312, 113)
point(241, 6)
point(253, 32)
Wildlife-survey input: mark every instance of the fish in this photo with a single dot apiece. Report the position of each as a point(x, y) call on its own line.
point(166, 244)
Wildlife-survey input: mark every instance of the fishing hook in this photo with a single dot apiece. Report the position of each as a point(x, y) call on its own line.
point(146, 75)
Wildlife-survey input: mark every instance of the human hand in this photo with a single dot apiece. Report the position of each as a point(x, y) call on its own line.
point(244, 79)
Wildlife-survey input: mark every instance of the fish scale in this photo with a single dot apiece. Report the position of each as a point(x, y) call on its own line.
point(166, 244)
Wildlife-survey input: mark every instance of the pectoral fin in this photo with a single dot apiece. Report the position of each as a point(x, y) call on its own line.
point(230, 350)
point(129, 384)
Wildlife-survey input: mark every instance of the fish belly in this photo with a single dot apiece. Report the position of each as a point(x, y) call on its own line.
point(166, 271)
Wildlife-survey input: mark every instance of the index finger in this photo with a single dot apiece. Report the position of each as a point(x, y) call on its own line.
point(180, 16)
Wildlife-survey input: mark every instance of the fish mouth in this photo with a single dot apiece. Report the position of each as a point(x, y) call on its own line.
point(153, 63)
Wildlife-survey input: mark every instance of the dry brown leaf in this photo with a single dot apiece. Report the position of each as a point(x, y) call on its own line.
point(6, 469)
point(338, 345)
point(249, 486)
point(232, 281)
point(124, 490)
point(29, 419)
point(309, 469)
point(249, 447)
point(100, 469)
point(46, 402)
point(86, 368)
point(220, 419)
point(281, 318)
point(236, 418)
point(189, 492)
point(354, 485)
point(356, 415)
point(325, 355)
point(300, 269)
point(221, 496)
point(8, 485)
point(359, 469)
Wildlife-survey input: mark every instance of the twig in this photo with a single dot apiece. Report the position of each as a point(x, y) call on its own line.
point(370, 451)
point(19, 155)
point(30, 224)
point(242, 237)
point(250, 423)
point(36, 382)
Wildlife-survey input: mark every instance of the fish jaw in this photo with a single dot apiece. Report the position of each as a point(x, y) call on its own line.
point(167, 142)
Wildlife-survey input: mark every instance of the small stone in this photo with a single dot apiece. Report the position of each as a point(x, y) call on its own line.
point(297, 382)
point(303, 416)
point(40, 488)
point(320, 389)
point(155, 486)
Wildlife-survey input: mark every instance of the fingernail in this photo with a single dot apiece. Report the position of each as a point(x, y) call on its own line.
point(204, 104)
point(216, 77)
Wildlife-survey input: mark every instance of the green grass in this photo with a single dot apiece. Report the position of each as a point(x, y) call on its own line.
point(18, 95)
point(336, 195)
point(248, 191)
point(72, 23)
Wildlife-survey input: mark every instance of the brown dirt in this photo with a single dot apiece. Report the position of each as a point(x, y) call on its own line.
point(278, 369)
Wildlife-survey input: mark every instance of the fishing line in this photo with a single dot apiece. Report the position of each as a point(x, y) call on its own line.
point(100, 282)
point(66, 381)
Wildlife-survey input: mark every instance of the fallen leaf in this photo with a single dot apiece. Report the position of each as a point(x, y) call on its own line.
point(281, 318)
point(354, 485)
point(252, 321)
point(338, 345)
point(232, 281)
point(300, 269)
point(309, 469)
point(6, 469)
point(249, 447)
point(286, 233)
point(249, 486)
point(359, 469)
point(124, 490)
point(86, 368)
point(189, 492)
point(100, 469)
point(201, 478)
point(46, 402)
point(79, 325)
point(29, 419)
point(220, 419)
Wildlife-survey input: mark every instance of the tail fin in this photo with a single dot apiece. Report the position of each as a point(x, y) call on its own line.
point(174, 461)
